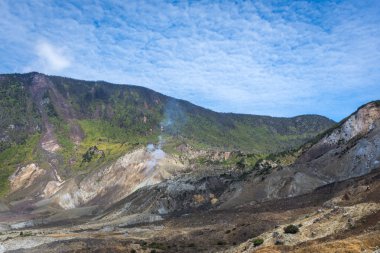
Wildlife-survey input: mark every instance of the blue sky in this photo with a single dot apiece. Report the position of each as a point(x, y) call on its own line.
point(262, 57)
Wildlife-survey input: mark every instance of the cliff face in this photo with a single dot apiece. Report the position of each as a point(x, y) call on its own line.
point(350, 150)
point(353, 128)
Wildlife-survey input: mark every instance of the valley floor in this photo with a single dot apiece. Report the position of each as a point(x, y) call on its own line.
point(343, 217)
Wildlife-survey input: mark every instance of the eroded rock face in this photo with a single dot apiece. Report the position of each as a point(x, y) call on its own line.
point(350, 150)
point(356, 126)
point(134, 170)
point(51, 188)
point(25, 176)
point(180, 195)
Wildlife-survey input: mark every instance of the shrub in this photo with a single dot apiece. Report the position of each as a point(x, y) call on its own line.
point(257, 241)
point(23, 234)
point(291, 229)
point(157, 245)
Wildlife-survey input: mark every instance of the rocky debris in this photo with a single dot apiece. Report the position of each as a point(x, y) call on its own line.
point(50, 144)
point(139, 219)
point(25, 243)
point(4, 227)
point(25, 176)
point(265, 167)
point(51, 188)
point(107, 229)
point(172, 196)
point(320, 224)
point(3, 207)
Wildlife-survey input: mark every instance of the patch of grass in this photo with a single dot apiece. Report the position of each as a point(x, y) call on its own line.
point(257, 241)
point(15, 156)
point(110, 139)
point(62, 132)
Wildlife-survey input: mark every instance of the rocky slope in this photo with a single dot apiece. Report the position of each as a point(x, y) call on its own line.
point(351, 149)
point(83, 179)
point(150, 181)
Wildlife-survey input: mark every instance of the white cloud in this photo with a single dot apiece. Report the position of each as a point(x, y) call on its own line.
point(51, 58)
point(248, 57)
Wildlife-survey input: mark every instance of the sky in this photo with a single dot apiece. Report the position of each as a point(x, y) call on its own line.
point(278, 58)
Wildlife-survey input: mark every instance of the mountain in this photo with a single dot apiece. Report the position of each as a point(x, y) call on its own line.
point(351, 149)
point(82, 175)
point(147, 200)
point(72, 126)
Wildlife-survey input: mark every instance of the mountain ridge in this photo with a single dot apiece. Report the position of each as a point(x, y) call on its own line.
point(141, 194)
point(154, 91)
point(100, 97)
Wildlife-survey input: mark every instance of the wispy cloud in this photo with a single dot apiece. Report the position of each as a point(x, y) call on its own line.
point(51, 59)
point(250, 57)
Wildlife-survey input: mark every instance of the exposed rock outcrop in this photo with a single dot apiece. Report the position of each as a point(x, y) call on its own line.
point(107, 185)
point(350, 150)
point(25, 176)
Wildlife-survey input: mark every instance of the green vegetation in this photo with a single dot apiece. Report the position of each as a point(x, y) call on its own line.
point(119, 118)
point(141, 112)
point(62, 132)
point(238, 160)
point(19, 117)
point(286, 157)
point(16, 156)
point(257, 241)
point(291, 229)
point(111, 140)
point(24, 234)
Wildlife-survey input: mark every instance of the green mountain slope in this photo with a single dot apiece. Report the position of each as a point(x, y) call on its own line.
point(58, 120)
